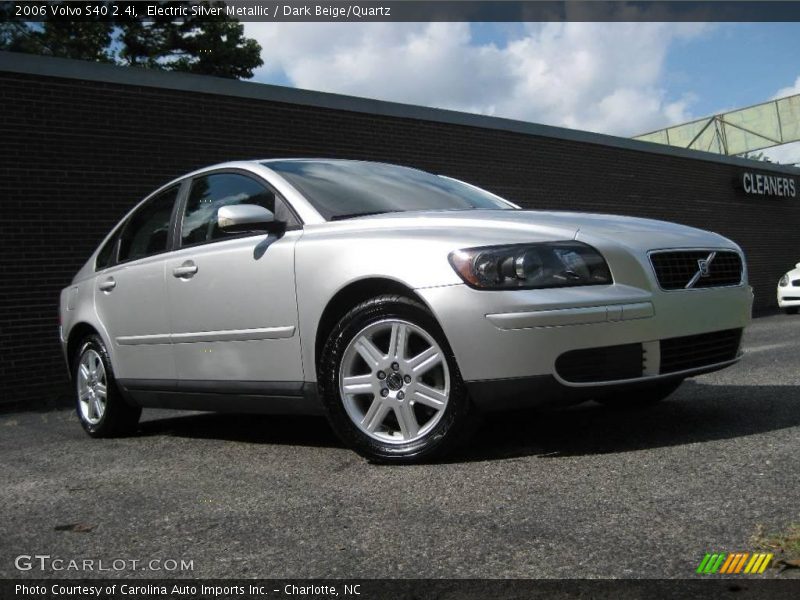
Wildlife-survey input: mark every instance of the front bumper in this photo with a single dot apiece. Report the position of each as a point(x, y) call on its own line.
point(545, 391)
point(519, 335)
point(788, 296)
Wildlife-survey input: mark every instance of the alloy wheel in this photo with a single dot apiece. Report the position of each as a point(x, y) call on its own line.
point(92, 387)
point(394, 381)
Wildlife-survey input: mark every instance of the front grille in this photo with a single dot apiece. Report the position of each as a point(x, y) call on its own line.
point(601, 364)
point(796, 282)
point(676, 269)
point(697, 351)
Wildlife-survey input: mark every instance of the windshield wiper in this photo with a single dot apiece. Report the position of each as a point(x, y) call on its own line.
point(363, 214)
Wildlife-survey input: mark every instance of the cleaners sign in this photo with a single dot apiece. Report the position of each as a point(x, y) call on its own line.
point(760, 184)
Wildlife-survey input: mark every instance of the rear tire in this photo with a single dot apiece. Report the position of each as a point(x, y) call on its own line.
point(102, 410)
point(641, 397)
point(390, 383)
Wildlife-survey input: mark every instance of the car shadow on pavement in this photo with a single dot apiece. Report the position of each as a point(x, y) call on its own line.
point(252, 429)
point(695, 413)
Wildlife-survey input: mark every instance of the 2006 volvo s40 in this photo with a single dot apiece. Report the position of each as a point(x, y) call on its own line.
point(399, 303)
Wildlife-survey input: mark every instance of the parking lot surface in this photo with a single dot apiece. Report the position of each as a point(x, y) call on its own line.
point(582, 492)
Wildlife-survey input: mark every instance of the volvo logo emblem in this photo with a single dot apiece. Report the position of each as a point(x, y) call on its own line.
point(702, 264)
point(703, 269)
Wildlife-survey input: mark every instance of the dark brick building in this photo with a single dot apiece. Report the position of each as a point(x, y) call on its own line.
point(80, 143)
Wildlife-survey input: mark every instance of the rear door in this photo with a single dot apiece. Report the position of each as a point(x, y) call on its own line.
point(131, 297)
point(232, 298)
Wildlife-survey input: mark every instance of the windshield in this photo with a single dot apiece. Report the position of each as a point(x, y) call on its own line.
point(344, 189)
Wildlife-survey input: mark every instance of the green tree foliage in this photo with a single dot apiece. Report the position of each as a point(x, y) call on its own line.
point(57, 37)
point(145, 44)
point(208, 45)
point(218, 48)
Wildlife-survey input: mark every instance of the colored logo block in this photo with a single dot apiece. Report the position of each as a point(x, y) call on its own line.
point(735, 563)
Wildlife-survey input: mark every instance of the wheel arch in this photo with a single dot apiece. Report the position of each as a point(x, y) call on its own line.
point(349, 296)
point(77, 333)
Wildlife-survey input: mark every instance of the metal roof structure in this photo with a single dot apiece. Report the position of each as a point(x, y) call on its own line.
point(738, 131)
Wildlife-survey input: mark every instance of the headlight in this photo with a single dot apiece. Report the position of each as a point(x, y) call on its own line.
point(784, 281)
point(531, 266)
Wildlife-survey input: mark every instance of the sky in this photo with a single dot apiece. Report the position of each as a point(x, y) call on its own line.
point(616, 78)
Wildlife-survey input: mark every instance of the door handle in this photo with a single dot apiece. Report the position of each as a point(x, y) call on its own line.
point(108, 285)
point(185, 271)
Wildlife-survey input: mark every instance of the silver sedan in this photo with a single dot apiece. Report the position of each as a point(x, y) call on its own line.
point(398, 303)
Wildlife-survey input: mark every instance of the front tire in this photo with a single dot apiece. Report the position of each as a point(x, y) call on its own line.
point(390, 383)
point(101, 408)
point(791, 310)
point(641, 397)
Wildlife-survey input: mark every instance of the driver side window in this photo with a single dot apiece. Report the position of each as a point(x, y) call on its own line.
point(210, 193)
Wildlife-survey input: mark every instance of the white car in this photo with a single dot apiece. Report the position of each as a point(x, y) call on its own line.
point(789, 291)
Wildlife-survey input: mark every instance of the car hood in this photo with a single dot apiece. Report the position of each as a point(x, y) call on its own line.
point(498, 226)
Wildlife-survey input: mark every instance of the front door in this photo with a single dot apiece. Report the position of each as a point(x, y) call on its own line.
point(232, 298)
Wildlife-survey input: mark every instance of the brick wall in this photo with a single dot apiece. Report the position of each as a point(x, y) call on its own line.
point(76, 154)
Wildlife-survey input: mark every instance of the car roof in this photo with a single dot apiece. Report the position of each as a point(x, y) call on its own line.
point(267, 161)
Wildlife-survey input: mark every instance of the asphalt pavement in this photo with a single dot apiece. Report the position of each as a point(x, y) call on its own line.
point(584, 492)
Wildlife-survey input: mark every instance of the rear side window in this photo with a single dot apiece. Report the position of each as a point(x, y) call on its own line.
point(147, 231)
point(212, 192)
point(105, 258)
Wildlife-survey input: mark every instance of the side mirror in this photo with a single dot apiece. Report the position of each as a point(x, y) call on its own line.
point(797, 266)
point(240, 218)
